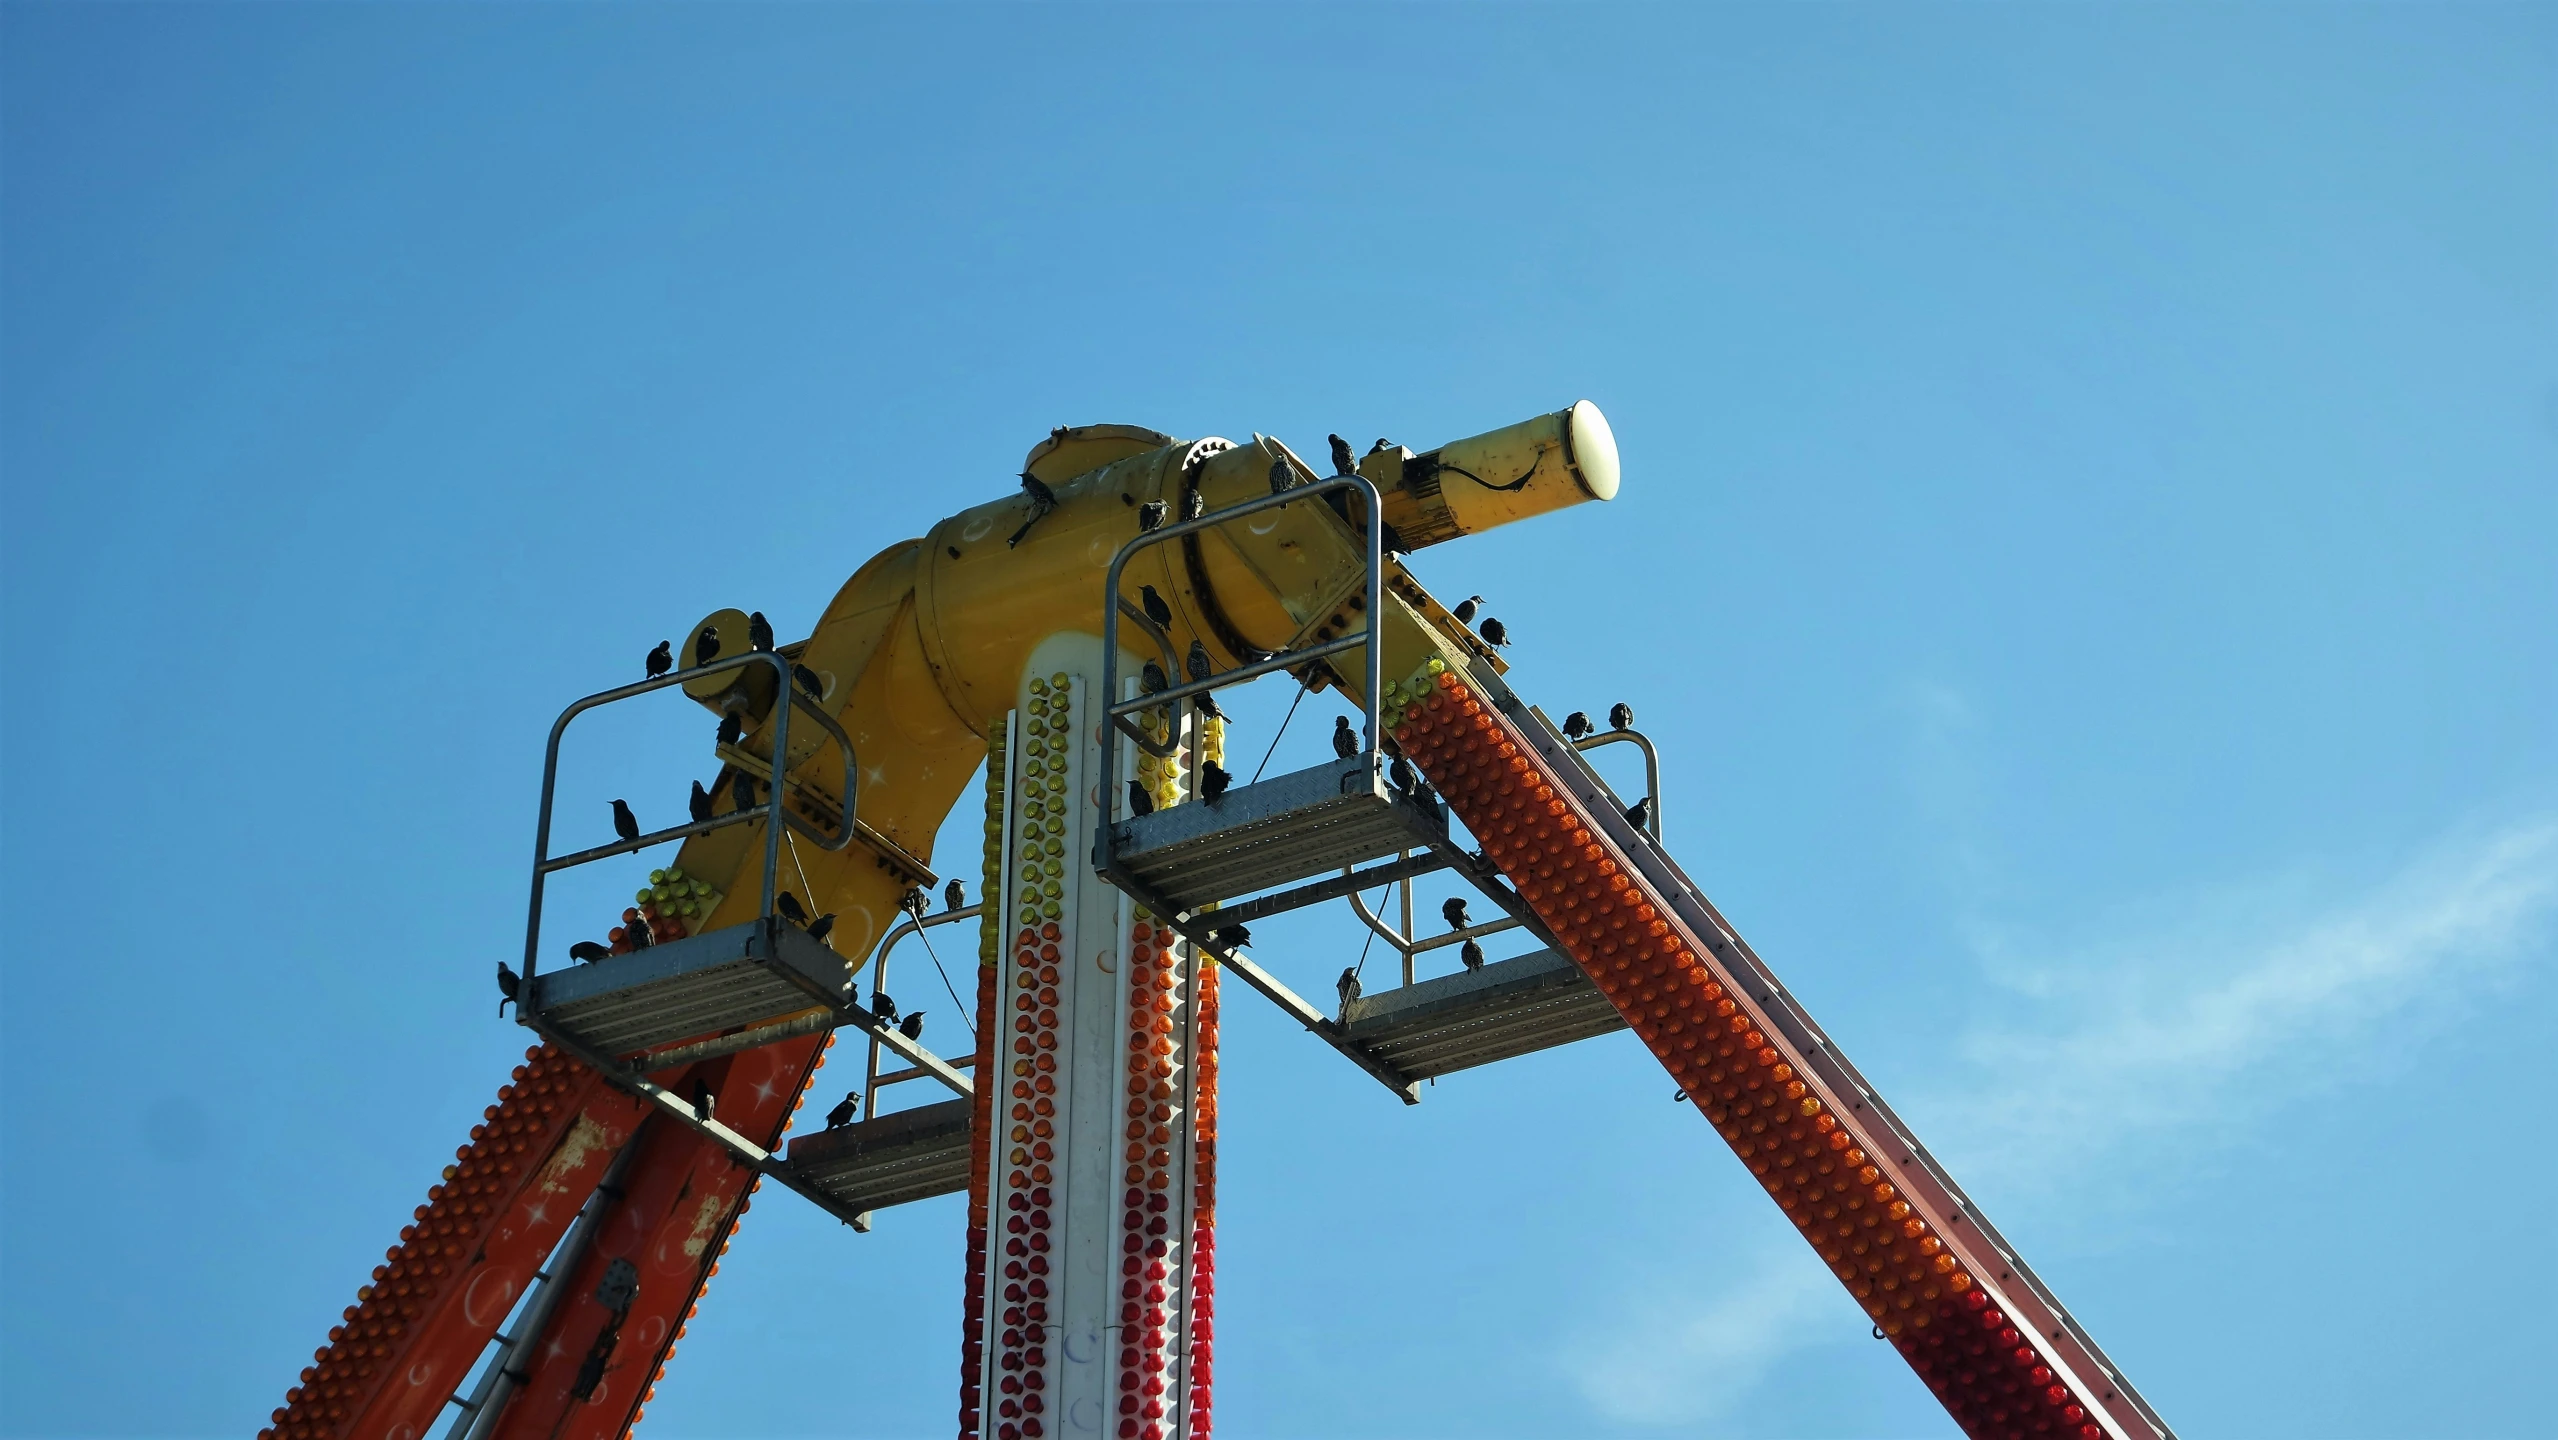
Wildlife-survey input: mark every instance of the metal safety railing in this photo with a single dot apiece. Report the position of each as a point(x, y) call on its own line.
point(872, 1079)
point(1371, 636)
point(775, 811)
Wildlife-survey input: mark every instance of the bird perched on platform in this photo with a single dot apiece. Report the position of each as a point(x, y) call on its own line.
point(661, 659)
point(1577, 724)
point(912, 1027)
point(1620, 716)
point(1230, 937)
point(1345, 741)
point(1639, 814)
point(587, 952)
point(700, 804)
point(787, 905)
point(1152, 679)
point(625, 824)
point(1193, 504)
point(1282, 476)
point(1472, 954)
point(1453, 910)
point(1150, 516)
point(635, 930)
point(883, 1008)
point(807, 680)
point(1399, 775)
point(1197, 662)
point(759, 632)
point(1343, 463)
point(1153, 604)
point(1213, 780)
point(509, 984)
point(1348, 985)
point(731, 726)
point(1494, 633)
point(844, 1111)
point(953, 895)
point(742, 789)
point(1139, 802)
point(821, 927)
point(1466, 608)
point(703, 1099)
point(706, 646)
point(1042, 500)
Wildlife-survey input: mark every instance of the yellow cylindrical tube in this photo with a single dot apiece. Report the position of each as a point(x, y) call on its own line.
point(1469, 486)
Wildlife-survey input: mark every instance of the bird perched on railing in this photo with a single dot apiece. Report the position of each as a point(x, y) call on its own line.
point(821, 927)
point(1229, 937)
point(1193, 504)
point(1150, 516)
point(1639, 814)
point(1577, 724)
point(1348, 985)
point(703, 1099)
point(913, 902)
point(807, 680)
point(700, 804)
point(661, 659)
point(883, 1008)
point(1472, 954)
point(844, 1111)
point(1345, 741)
point(1197, 662)
point(742, 789)
point(509, 984)
point(625, 824)
point(706, 646)
point(1453, 910)
point(1466, 608)
point(1343, 463)
point(1153, 604)
point(1494, 633)
point(1282, 477)
point(912, 1027)
point(1042, 500)
point(1620, 716)
point(954, 895)
point(759, 632)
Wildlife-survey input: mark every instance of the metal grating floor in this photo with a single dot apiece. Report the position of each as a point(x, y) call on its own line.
point(1507, 1008)
point(1286, 829)
point(701, 985)
point(890, 1160)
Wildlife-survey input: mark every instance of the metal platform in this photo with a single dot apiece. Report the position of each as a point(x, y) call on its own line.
point(1283, 830)
point(888, 1160)
point(744, 975)
point(1510, 1007)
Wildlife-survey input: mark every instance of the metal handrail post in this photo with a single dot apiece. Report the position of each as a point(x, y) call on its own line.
point(1651, 765)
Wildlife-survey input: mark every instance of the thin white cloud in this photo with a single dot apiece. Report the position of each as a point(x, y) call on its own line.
point(2206, 1015)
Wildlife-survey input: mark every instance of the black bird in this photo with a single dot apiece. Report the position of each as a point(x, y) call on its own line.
point(1042, 500)
point(508, 985)
point(1495, 634)
point(912, 1027)
point(702, 1099)
point(1193, 504)
point(1345, 741)
point(790, 908)
point(1382, 444)
point(954, 895)
point(1150, 516)
point(1343, 463)
point(842, 1114)
point(759, 632)
point(1281, 476)
point(1348, 985)
point(821, 927)
point(913, 902)
point(1230, 937)
point(701, 802)
point(1453, 910)
point(808, 681)
point(1577, 724)
point(1213, 780)
point(742, 789)
point(1466, 608)
point(661, 659)
point(587, 952)
point(1139, 802)
point(706, 646)
point(635, 930)
point(1151, 679)
point(1472, 954)
point(625, 824)
point(1207, 703)
point(1197, 661)
point(1153, 604)
point(1620, 715)
point(1400, 776)
point(1639, 814)
point(883, 1007)
point(731, 726)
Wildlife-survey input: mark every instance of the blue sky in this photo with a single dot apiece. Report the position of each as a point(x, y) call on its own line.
point(2091, 484)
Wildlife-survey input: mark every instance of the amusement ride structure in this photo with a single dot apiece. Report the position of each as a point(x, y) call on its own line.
point(1070, 640)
